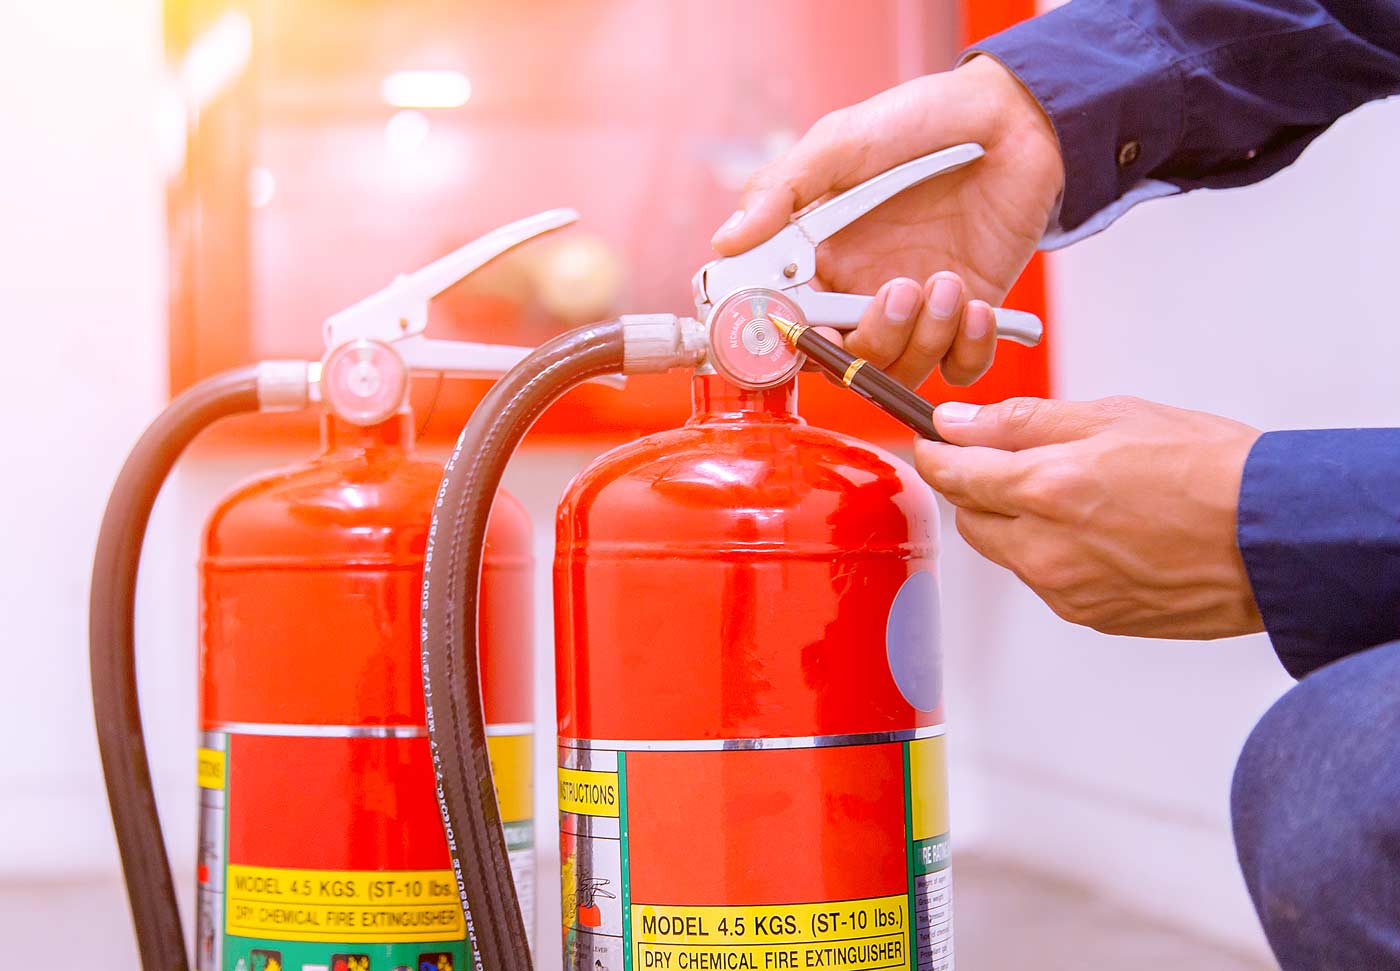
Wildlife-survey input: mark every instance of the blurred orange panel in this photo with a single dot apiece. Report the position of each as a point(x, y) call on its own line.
point(309, 185)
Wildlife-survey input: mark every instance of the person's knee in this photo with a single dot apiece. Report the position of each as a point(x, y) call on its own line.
point(1316, 812)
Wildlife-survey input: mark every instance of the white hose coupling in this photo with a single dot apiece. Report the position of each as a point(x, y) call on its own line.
point(284, 385)
point(653, 343)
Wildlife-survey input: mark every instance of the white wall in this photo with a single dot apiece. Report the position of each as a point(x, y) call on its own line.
point(82, 313)
point(1109, 759)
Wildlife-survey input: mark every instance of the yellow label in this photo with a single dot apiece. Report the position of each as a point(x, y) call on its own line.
point(512, 768)
point(210, 771)
point(371, 907)
point(847, 935)
point(928, 786)
point(588, 793)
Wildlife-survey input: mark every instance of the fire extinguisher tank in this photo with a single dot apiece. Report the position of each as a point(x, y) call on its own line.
point(750, 706)
point(321, 841)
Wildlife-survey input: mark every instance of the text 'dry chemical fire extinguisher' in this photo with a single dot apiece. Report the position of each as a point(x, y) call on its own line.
point(750, 713)
point(320, 840)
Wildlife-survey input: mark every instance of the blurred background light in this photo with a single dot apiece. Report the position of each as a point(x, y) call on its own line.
point(406, 132)
point(262, 186)
point(579, 276)
point(215, 58)
point(426, 89)
point(172, 131)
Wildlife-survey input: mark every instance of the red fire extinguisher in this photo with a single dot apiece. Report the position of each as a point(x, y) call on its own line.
point(751, 745)
point(738, 601)
point(750, 706)
point(321, 844)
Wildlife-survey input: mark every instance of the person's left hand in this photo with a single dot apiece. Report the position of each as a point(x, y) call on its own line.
point(1119, 513)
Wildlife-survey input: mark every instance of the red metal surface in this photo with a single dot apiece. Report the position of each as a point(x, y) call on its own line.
point(736, 573)
point(310, 604)
point(982, 18)
point(334, 804)
point(1019, 370)
point(828, 823)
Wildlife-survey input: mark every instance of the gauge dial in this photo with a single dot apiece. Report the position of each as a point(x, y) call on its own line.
point(745, 347)
point(364, 382)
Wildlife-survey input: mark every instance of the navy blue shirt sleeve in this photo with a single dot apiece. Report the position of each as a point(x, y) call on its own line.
point(1319, 528)
point(1195, 93)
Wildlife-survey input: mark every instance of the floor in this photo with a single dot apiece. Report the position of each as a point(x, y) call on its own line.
point(1007, 918)
point(1059, 927)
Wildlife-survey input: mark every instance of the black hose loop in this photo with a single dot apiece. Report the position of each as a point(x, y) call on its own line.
point(112, 654)
point(451, 664)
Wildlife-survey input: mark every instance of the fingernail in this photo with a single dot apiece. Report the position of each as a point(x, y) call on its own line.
point(732, 223)
point(944, 298)
point(957, 411)
point(978, 324)
point(900, 301)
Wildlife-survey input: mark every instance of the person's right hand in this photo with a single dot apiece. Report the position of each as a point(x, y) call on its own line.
point(1121, 514)
point(967, 234)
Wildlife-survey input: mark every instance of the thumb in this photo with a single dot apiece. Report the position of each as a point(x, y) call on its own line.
point(1018, 423)
point(822, 162)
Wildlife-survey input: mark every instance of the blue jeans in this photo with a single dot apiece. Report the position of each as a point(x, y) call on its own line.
point(1316, 810)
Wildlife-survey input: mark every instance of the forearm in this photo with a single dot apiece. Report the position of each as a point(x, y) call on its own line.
point(1181, 94)
point(1319, 529)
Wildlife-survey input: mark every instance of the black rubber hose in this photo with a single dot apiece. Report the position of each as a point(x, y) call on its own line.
point(149, 886)
point(451, 664)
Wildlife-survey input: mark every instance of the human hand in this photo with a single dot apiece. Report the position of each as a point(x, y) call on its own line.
point(1119, 513)
point(967, 234)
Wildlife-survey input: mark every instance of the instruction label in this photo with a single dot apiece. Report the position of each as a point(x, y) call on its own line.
point(209, 770)
point(748, 870)
point(588, 793)
point(334, 905)
point(852, 935)
point(930, 871)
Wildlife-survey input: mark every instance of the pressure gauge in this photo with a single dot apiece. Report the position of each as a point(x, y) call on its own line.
point(364, 381)
point(745, 347)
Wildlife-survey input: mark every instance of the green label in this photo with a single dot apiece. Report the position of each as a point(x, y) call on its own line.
point(931, 855)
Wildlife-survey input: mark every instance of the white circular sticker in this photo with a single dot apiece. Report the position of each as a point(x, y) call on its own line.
point(914, 642)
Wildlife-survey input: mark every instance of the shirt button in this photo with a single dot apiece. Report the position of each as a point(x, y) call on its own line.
point(1128, 153)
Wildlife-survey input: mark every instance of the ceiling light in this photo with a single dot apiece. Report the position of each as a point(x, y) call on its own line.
point(425, 89)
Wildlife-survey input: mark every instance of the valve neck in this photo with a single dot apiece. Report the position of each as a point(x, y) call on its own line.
point(397, 434)
point(716, 400)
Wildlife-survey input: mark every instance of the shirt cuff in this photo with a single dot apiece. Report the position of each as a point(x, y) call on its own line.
point(1057, 237)
point(1112, 91)
point(1319, 530)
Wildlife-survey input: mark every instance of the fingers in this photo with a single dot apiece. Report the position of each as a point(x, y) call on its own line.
point(974, 346)
point(990, 534)
point(908, 332)
point(822, 161)
point(884, 331)
point(985, 479)
point(1020, 423)
point(935, 332)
